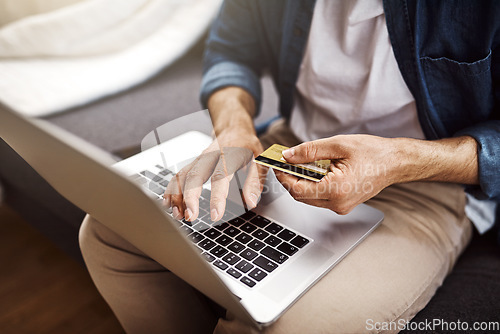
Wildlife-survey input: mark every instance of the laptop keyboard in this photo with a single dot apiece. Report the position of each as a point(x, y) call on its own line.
point(247, 247)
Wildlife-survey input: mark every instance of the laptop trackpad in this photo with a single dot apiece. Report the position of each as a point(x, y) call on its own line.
point(298, 275)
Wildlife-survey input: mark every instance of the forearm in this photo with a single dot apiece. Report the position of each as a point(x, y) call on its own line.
point(446, 160)
point(232, 108)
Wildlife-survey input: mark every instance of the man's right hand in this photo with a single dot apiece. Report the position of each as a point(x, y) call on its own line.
point(236, 145)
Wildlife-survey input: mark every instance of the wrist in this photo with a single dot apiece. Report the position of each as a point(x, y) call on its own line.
point(232, 108)
point(445, 160)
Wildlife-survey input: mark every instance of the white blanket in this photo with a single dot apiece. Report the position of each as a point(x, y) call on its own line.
point(74, 52)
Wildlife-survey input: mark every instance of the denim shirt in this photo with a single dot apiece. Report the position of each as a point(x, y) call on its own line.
point(448, 53)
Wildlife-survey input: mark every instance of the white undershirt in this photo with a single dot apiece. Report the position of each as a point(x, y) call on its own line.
point(349, 81)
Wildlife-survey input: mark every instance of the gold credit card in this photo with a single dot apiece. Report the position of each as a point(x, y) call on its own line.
point(273, 157)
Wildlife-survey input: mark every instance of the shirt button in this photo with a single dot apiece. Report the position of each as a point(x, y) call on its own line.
point(297, 32)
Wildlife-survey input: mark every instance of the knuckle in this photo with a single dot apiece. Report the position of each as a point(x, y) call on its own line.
point(176, 199)
point(171, 190)
point(193, 175)
point(310, 150)
point(218, 175)
point(182, 172)
point(296, 192)
point(342, 209)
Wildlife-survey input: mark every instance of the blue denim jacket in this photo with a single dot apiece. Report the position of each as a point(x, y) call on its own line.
point(448, 53)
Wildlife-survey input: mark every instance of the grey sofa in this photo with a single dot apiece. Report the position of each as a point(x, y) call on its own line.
point(118, 123)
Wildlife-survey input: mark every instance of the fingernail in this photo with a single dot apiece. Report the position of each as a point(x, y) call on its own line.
point(214, 214)
point(166, 202)
point(188, 213)
point(176, 213)
point(288, 153)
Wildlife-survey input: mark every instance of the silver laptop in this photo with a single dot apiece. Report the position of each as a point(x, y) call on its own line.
point(255, 263)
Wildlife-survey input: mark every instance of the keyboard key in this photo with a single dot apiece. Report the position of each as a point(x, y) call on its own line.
point(232, 231)
point(164, 172)
point(273, 241)
point(256, 245)
point(265, 264)
point(286, 235)
point(249, 228)
point(205, 193)
point(204, 204)
point(273, 228)
point(221, 227)
point(231, 258)
point(183, 221)
point(299, 241)
point(164, 183)
point(206, 218)
point(178, 222)
point(194, 222)
point(218, 251)
point(208, 257)
point(138, 179)
point(135, 177)
point(152, 176)
point(288, 249)
point(236, 222)
point(223, 240)
point(236, 247)
point(244, 238)
point(196, 237)
point(244, 266)
point(248, 254)
point(156, 189)
point(186, 229)
point(248, 215)
point(261, 221)
point(212, 233)
point(156, 178)
point(234, 273)
point(274, 255)
point(221, 265)
point(234, 208)
point(202, 213)
point(227, 216)
point(257, 274)
point(207, 244)
point(200, 227)
point(248, 281)
point(260, 234)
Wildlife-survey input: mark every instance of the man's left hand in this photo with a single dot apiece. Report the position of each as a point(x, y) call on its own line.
point(363, 165)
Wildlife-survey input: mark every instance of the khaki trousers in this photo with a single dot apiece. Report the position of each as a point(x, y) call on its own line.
point(387, 279)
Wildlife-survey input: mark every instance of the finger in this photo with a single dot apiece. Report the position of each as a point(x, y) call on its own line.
point(199, 173)
point(254, 184)
point(220, 188)
point(326, 148)
point(173, 192)
point(302, 189)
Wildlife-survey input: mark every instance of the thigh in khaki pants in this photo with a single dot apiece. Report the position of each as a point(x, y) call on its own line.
point(388, 277)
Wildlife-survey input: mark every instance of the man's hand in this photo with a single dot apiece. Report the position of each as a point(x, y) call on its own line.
point(363, 165)
point(236, 143)
point(231, 151)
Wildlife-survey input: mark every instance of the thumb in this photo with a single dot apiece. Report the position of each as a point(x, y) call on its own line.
point(312, 151)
